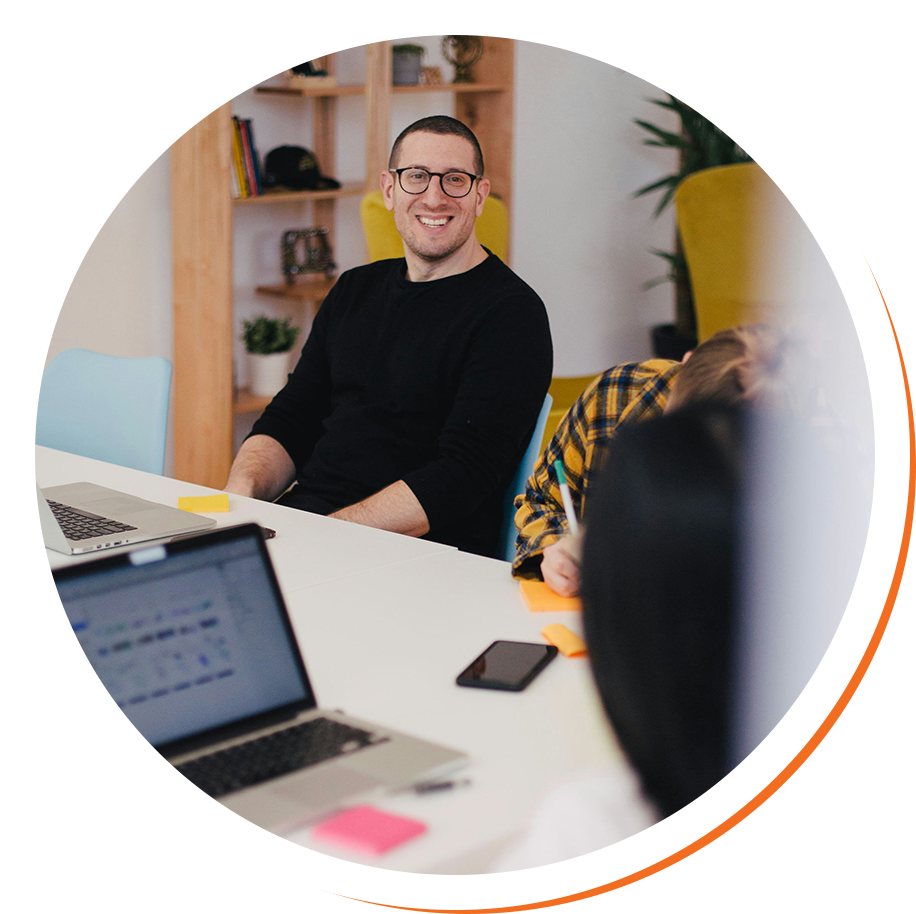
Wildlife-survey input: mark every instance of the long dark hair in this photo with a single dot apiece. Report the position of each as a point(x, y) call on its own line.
point(658, 589)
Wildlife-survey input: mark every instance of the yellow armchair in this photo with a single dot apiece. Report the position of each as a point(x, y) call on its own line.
point(383, 240)
point(564, 391)
point(729, 218)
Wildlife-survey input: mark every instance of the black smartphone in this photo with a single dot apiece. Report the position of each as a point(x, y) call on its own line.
point(507, 665)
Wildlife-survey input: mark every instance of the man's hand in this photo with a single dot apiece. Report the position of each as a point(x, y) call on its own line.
point(560, 565)
point(262, 469)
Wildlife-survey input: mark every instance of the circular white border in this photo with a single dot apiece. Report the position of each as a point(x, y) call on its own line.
point(699, 81)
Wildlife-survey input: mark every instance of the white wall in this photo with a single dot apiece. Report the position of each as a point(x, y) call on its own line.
point(578, 236)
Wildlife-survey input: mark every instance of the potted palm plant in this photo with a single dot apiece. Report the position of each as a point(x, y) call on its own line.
point(700, 144)
point(268, 342)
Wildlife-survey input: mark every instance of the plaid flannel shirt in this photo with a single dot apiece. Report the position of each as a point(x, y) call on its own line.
point(627, 393)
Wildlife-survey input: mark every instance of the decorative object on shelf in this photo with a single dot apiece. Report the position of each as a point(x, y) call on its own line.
point(268, 342)
point(431, 76)
point(295, 168)
point(306, 251)
point(308, 76)
point(700, 144)
point(462, 52)
point(405, 64)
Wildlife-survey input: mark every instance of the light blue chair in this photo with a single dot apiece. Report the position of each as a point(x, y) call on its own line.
point(508, 533)
point(107, 407)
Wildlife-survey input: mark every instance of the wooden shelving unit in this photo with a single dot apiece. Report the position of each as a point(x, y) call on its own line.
point(202, 216)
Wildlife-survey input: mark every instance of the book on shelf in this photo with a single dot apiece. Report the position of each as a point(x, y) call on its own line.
point(252, 154)
point(238, 164)
point(246, 167)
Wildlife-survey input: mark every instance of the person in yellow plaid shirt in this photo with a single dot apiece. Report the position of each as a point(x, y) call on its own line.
point(732, 366)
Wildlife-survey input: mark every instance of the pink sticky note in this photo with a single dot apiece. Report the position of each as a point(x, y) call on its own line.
point(368, 830)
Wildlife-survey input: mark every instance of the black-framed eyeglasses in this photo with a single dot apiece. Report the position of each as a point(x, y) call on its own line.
point(453, 183)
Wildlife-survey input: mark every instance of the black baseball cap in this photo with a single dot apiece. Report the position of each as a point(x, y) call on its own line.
point(296, 168)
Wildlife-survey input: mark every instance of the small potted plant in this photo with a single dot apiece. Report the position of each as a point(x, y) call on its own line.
point(405, 64)
point(268, 342)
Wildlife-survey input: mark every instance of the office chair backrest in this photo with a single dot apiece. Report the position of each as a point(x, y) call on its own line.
point(508, 532)
point(728, 219)
point(108, 407)
point(384, 242)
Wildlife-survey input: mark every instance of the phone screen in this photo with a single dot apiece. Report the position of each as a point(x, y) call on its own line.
point(508, 665)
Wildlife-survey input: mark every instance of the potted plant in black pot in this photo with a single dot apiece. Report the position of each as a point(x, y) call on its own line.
point(700, 144)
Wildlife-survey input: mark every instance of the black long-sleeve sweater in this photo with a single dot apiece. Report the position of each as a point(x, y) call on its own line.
point(436, 383)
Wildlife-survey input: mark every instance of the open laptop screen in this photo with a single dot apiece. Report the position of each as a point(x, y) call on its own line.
point(189, 636)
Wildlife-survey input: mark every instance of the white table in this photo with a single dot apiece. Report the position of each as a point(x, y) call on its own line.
point(307, 549)
point(385, 623)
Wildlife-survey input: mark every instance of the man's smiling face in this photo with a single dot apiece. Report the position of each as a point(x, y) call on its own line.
point(433, 225)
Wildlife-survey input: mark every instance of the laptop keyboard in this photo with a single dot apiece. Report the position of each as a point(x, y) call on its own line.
point(81, 525)
point(275, 754)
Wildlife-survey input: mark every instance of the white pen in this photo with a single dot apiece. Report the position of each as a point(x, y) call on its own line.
point(567, 498)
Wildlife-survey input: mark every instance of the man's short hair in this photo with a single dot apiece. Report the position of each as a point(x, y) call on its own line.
point(750, 363)
point(444, 126)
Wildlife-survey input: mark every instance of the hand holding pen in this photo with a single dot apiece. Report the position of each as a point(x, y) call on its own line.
point(567, 497)
point(560, 562)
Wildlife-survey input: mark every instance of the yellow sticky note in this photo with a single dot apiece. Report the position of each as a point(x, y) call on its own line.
point(204, 504)
point(541, 599)
point(569, 643)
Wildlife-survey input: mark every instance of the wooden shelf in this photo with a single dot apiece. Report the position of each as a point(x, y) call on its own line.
point(449, 87)
point(303, 290)
point(317, 92)
point(337, 91)
point(299, 196)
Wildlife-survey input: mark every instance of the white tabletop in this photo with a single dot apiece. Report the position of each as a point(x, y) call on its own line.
point(308, 549)
point(385, 624)
point(420, 624)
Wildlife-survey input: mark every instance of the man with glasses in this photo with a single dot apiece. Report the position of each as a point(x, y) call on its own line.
point(422, 377)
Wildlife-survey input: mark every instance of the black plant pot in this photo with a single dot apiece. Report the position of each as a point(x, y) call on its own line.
point(667, 343)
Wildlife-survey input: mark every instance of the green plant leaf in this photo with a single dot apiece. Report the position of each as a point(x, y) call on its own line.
point(268, 335)
point(670, 179)
point(671, 256)
point(668, 138)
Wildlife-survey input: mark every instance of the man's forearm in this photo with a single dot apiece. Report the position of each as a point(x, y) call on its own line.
point(394, 508)
point(262, 469)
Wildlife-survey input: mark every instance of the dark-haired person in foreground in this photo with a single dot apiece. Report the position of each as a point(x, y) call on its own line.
point(422, 377)
point(658, 590)
point(734, 366)
point(721, 551)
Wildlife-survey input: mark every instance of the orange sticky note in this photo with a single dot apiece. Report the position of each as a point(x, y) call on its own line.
point(569, 643)
point(204, 504)
point(541, 599)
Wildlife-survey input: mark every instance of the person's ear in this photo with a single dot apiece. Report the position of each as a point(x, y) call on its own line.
point(687, 355)
point(386, 182)
point(483, 191)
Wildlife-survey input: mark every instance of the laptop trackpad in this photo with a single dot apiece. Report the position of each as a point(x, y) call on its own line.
point(294, 799)
point(115, 505)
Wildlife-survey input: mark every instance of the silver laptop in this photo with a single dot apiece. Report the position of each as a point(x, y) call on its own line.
point(193, 641)
point(83, 517)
